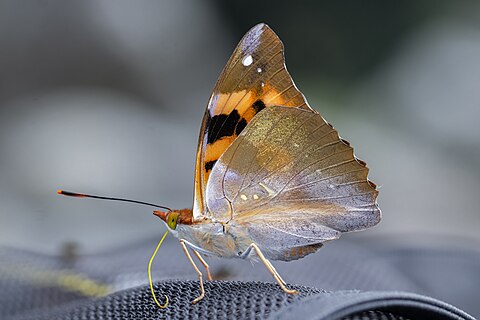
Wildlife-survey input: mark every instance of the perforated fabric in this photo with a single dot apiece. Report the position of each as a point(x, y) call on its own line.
point(224, 300)
point(35, 286)
point(252, 300)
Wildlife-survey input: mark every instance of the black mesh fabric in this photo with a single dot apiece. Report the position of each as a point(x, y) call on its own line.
point(224, 300)
point(250, 300)
point(34, 286)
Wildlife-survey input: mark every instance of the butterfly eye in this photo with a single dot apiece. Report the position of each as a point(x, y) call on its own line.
point(172, 220)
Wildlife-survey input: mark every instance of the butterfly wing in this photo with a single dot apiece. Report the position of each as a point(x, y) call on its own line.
point(255, 77)
point(290, 171)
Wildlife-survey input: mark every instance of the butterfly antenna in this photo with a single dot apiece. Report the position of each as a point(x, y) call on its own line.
point(83, 195)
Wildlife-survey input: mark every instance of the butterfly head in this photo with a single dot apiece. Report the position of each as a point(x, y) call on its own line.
point(173, 218)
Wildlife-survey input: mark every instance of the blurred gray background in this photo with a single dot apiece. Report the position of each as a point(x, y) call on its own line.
point(106, 97)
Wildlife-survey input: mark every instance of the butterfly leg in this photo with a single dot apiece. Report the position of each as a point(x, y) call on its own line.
point(200, 276)
point(270, 268)
point(205, 264)
point(276, 272)
point(200, 258)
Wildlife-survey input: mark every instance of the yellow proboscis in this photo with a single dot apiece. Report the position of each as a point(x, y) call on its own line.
point(150, 273)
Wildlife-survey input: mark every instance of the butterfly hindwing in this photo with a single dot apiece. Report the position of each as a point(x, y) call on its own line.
point(289, 165)
point(254, 78)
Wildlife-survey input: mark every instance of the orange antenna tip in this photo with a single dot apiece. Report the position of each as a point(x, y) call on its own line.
point(75, 194)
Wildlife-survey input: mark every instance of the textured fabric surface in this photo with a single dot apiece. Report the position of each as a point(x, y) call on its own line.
point(242, 300)
point(35, 286)
point(252, 300)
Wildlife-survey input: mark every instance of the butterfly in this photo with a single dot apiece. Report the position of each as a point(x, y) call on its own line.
point(273, 179)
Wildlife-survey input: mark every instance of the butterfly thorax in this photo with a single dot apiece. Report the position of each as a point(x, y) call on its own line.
point(208, 236)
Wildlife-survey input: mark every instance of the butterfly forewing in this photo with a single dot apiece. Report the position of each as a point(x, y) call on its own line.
point(290, 165)
point(254, 78)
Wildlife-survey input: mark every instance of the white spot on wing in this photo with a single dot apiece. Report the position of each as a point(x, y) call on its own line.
point(259, 70)
point(247, 60)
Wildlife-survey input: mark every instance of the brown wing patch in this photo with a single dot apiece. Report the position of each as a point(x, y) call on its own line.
point(255, 77)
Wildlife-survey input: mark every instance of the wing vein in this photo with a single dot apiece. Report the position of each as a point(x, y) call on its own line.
point(323, 179)
point(280, 93)
point(331, 198)
point(315, 162)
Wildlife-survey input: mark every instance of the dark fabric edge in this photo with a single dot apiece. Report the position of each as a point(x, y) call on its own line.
point(347, 303)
